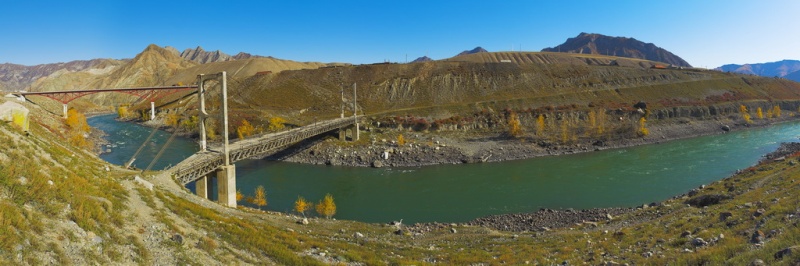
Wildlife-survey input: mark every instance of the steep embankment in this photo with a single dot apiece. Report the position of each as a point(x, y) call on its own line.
point(61, 205)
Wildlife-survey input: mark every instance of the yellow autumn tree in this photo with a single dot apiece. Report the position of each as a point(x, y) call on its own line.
point(326, 207)
point(745, 114)
point(540, 125)
point(643, 131)
point(759, 113)
point(514, 126)
point(401, 140)
point(239, 195)
point(77, 127)
point(567, 134)
point(245, 129)
point(592, 120)
point(276, 123)
point(776, 111)
point(122, 111)
point(76, 121)
point(301, 205)
point(260, 198)
point(172, 119)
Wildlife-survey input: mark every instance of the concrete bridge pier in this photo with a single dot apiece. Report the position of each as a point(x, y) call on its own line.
point(352, 130)
point(226, 185)
point(152, 110)
point(201, 186)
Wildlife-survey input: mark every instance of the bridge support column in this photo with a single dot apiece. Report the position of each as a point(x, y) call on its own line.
point(353, 130)
point(226, 185)
point(65, 111)
point(152, 110)
point(356, 132)
point(201, 187)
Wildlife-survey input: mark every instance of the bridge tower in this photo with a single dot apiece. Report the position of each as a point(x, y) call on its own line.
point(353, 129)
point(226, 173)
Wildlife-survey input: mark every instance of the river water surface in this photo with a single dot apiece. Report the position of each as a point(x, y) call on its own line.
point(457, 193)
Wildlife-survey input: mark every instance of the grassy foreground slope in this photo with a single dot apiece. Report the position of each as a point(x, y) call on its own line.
point(61, 205)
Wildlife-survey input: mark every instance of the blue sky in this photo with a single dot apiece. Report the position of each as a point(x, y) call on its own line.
point(706, 33)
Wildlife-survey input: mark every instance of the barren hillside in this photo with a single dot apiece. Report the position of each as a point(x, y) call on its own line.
point(470, 83)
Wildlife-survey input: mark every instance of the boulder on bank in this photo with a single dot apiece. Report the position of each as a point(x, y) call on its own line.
point(707, 200)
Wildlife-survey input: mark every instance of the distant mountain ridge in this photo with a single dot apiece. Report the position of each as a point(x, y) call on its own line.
point(793, 76)
point(784, 68)
point(422, 59)
point(473, 51)
point(15, 77)
point(199, 55)
point(593, 43)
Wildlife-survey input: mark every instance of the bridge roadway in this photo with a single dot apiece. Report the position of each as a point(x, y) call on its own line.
point(202, 163)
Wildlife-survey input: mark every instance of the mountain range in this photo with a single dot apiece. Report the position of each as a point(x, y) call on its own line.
point(789, 69)
point(161, 65)
point(592, 43)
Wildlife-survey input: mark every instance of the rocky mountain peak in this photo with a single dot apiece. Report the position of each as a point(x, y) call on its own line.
point(473, 51)
point(422, 59)
point(593, 43)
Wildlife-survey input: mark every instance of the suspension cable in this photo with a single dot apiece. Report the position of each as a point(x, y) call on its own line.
point(130, 162)
point(161, 152)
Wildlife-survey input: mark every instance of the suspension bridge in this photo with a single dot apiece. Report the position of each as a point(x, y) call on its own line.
point(217, 161)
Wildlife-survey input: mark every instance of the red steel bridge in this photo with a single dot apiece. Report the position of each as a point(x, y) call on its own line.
point(147, 93)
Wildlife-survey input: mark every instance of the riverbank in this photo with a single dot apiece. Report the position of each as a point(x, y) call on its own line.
point(548, 219)
point(381, 148)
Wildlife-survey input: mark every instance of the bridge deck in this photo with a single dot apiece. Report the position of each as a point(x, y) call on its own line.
point(203, 163)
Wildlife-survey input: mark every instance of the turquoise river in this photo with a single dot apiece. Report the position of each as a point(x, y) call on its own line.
point(457, 193)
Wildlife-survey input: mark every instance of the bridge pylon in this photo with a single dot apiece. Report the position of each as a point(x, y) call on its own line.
point(225, 173)
point(353, 129)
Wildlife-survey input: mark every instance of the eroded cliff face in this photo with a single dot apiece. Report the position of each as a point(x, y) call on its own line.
point(441, 89)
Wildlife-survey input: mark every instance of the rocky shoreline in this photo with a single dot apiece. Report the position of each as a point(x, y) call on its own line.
point(434, 148)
